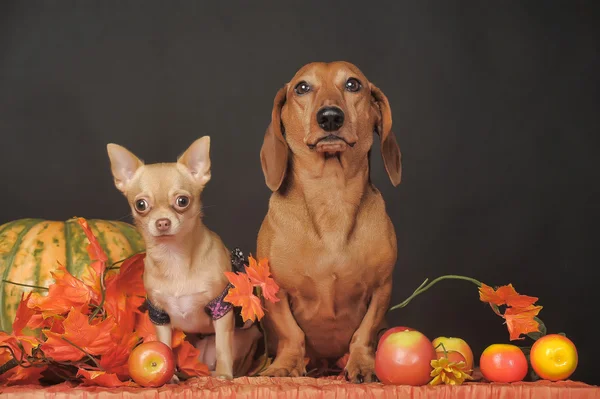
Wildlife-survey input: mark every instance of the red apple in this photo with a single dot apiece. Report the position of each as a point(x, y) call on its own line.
point(503, 363)
point(458, 345)
point(404, 358)
point(393, 330)
point(151, 364)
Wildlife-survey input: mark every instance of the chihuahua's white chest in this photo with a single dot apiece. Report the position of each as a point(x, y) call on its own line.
point(186, 311)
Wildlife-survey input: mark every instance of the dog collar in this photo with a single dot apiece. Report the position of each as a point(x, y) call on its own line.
point(217, 307)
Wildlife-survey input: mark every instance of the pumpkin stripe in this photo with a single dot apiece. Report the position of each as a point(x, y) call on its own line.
point(68, 247)
point(99, 231)
point(129, 236)
point(27, 225)
point(78, 246)
point(6, 226)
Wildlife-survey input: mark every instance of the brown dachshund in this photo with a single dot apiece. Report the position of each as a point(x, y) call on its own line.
point(328, 238)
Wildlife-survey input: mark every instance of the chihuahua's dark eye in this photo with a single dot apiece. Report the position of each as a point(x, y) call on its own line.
point(141, 205)
point(302, 88)
point(353, 85)
point(182, 201)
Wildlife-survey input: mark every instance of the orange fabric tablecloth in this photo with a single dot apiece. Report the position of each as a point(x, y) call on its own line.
point(292, 388)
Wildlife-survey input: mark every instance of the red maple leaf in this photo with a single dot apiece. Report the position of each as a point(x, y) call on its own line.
point(260, 276)
point(103, 379)
point(188, 362)
point(95, 339)
point(242, 295)
point(66, 292)
point(521, 320)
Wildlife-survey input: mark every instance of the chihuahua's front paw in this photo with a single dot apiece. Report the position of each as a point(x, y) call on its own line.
point(360, 367)
point(221, 375)
point(286, 366)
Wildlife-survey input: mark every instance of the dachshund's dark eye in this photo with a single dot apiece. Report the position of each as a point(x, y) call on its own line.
point(353, 85)
point(302, 88)
point(141, 205)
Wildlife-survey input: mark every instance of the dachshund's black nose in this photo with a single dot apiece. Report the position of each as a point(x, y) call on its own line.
point(330, 118)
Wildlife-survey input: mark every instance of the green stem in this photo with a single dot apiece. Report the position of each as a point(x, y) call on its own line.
point(424, 287)
point(103, 298)
point(37, 287)
point(443, 348)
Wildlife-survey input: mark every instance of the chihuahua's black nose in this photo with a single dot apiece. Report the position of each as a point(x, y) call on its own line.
point(163, 224)
point(330, 118)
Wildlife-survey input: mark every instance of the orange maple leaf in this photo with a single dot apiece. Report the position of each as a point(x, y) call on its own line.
point(91, 276)
point(242, 295)
point(15, 340)
point(505, 295)
point(66, 292)
point(125, 292)
point(513, 298)
point(188, 362)
point(103, 379)
point(260, 276)
point(23, 315)
point(79, 335)
point(19, 375)
point(489, 295)
point(521, 320)
point(116, 361)
point(94, 248)
point(15, 343)
point(146, 330)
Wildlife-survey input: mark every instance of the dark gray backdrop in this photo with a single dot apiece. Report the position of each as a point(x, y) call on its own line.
point(495, 109)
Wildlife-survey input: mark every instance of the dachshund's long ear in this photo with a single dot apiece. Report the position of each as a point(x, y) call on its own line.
point(274, 151)
point(390, 151)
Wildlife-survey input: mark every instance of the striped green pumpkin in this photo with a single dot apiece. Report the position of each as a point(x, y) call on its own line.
point(31, 248)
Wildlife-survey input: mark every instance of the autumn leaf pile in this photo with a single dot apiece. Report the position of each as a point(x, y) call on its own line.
point(84, 329)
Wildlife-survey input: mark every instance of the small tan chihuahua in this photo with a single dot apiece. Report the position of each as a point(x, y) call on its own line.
point(185, 261)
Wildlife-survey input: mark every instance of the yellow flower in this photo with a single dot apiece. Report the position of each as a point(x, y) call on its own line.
point(447, 372)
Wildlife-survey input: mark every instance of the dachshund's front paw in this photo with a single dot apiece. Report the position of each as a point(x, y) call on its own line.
point(360, 368)
point(286, 366)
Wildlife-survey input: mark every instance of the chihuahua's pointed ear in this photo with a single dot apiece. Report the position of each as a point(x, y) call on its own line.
point(197, 159)
point(123, 165)
point(390, 151)
point(274, 151)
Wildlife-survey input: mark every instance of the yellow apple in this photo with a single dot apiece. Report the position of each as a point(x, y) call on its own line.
point(456, 344)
